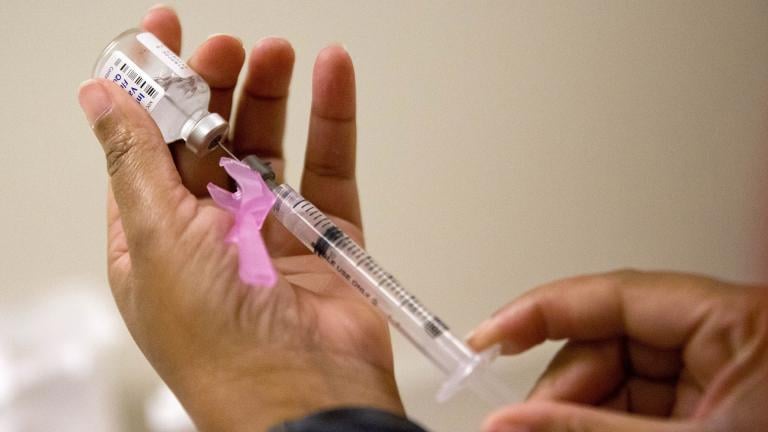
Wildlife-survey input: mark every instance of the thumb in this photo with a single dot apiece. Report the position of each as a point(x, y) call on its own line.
point(145, 182)
point(563, 417)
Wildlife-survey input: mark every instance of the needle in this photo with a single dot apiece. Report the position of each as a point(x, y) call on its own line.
point(226, 150)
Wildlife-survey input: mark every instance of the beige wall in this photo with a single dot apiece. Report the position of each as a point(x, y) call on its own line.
point(502, 143)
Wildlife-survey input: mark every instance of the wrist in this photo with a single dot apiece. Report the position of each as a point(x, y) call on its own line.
point(268, 391)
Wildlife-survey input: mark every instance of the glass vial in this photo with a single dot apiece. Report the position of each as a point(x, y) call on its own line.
point(175, 95)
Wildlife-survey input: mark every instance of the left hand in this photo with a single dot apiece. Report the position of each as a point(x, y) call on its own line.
point(645, 352)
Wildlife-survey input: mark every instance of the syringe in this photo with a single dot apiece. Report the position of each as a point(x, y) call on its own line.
point(464, 367)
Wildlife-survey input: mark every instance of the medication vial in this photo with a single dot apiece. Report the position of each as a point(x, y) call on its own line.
point(174, 95)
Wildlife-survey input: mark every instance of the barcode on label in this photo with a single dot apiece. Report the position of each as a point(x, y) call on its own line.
point(137, 79)
point(140, 86)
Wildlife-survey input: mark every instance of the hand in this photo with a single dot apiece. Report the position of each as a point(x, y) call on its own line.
point(239, 357)
point(645, 352)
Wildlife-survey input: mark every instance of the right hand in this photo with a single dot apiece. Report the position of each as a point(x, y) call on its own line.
point(240, 357)
point(645, 352)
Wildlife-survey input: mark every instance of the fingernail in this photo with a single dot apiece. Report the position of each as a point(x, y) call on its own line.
point(271, 39)
point(227, 35)
point(480, 329)
point(340, 45)
point(94, 100)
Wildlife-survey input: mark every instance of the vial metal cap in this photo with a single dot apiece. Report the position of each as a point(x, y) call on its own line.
point(207, 134)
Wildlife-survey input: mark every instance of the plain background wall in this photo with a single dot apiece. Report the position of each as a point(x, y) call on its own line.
point(501, 144)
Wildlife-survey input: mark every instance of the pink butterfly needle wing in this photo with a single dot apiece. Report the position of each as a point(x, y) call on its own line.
point(250, 205)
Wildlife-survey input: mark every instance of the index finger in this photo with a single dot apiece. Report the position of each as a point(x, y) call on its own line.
point(162, 21)
point(661, 310)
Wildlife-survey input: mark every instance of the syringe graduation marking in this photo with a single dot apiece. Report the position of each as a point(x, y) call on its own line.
point(322, 245)
point(332, 235)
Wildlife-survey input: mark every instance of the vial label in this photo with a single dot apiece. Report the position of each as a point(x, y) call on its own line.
point(162, 52)
point(140, 86)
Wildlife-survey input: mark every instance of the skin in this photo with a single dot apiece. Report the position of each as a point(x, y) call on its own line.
point(239, 357)
point(645, 352)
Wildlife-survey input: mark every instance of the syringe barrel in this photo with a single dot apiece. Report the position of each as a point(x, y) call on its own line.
point(353, 264)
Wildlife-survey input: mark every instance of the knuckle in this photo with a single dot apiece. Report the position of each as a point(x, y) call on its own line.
point(116, 154)
point(120, 142)
point(747, 318)
point(616, 280)
point(119, 148)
